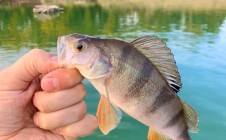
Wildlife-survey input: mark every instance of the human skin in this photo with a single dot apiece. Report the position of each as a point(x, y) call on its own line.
point(40, 101)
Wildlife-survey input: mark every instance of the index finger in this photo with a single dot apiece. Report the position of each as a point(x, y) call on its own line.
point(61, 79)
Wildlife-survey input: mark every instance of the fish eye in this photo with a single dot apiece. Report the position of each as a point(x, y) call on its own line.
point(80, 47)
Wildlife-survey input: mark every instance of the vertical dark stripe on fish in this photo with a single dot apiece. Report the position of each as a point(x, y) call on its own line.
point(163, 98)
point(141, 79)
point(175, 119)
point(124, 56)
point(184, 134)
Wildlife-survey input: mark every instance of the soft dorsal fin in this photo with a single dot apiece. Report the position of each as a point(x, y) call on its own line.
point(160, 55)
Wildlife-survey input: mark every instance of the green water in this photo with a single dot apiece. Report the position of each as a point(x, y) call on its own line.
point(197, 39)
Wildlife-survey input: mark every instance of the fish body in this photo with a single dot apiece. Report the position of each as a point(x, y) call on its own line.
point(139, 78)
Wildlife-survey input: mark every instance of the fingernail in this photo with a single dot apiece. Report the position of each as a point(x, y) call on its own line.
point(50, 84)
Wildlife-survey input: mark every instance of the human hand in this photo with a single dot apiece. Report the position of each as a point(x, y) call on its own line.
point(39, 100)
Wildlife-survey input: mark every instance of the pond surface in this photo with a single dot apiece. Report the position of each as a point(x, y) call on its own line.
point(196, 37)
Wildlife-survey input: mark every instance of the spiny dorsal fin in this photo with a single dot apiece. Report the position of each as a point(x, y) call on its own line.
point(191, 118)
point(153, 135)
point(109, 116)
point(160, 55)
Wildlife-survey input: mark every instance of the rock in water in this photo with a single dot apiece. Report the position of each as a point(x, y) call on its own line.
point(47, 9)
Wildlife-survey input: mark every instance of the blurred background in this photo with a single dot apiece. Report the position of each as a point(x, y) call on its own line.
point(194, 30)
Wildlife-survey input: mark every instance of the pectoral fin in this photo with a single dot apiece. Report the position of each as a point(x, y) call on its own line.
point(153, 135)
point(108, 115)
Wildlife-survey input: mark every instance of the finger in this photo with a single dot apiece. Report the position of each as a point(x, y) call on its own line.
point(49, 102)
point(82, 128)
point(29, 67)
point(61, 79)
point(50, 121)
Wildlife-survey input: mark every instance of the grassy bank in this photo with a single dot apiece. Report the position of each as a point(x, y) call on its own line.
point(131, 4)
point(166, 4)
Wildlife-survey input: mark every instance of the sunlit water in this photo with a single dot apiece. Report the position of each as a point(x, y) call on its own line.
point(197, 39)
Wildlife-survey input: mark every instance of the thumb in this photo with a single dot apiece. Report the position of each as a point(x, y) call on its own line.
point(29, 67)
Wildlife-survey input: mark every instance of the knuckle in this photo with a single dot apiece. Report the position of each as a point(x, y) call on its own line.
point(83, 107)
point(93, 123)
point(82, 91)
point(76, 76)
point(45, 109)
point(36, 101)
point(82, 110)
point(40, 103)
point(37, 64)
point(36, 52)
point(42, 122)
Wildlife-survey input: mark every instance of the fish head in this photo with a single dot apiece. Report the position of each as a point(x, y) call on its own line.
point(84, 53)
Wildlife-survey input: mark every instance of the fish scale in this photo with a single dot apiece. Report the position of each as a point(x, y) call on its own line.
point(140, 78)
point(128, 97)
point(141, 101)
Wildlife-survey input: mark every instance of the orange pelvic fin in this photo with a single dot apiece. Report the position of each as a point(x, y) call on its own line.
point(153, 135)
point(108, 115)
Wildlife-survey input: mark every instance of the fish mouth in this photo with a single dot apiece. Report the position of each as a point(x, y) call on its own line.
point(64, 54)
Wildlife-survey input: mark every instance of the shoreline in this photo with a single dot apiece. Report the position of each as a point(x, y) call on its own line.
point(148, 5)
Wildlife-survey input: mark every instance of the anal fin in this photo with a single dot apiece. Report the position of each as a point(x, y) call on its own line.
point(191, 118)
point(153, 135)
point(108, 115)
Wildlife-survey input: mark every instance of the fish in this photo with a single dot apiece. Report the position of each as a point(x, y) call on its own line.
point(138, 77)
